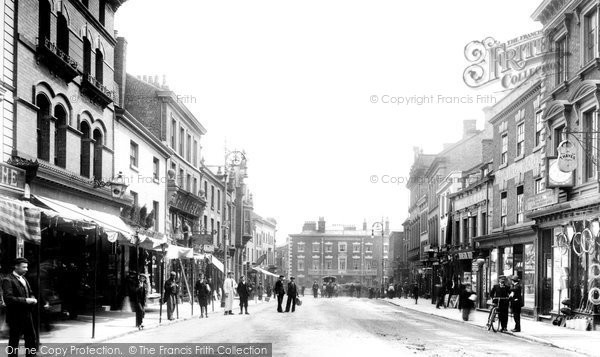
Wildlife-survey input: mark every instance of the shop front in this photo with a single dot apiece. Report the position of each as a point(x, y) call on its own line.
point(569, 261)
point(508, 254)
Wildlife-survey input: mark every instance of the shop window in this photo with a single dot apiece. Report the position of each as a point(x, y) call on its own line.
point(60, 136)
point(84, 163)
point(529, 275)
point(507, 261)
point(520, 204)
point(43, 127)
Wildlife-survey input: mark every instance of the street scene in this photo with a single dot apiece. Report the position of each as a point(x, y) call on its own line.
point(268, 178)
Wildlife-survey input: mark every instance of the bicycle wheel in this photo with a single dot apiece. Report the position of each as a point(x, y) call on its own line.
point(491, 320)
point(576, 242)
point(588, 242)
point(563, 243)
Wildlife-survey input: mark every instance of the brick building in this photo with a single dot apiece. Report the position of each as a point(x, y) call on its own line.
point(510, 243)
point(341, 253)
point(570, 202)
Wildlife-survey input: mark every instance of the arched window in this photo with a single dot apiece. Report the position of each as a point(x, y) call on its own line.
point(62, 33)
point(99, 66)
point(84, 165)
point(44, 21)
point(60, 136)
point(98, 144)
point(43, 127)
point(87, 56)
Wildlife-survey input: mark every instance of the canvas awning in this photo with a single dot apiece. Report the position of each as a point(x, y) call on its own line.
point(217, 263)
point(20, 219)
point(266, 272)
point(67, 213)
point(176, 252)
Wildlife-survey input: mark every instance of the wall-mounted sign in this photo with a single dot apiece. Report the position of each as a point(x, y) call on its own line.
point(543, 199)
point(208, 248)
point(567, 158)
point(555, 176)
point(12, 177)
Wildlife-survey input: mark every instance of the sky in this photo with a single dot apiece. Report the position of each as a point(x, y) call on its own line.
point(310, 90)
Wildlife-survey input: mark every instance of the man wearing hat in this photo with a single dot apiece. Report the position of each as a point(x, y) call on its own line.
point(170, 295)
point(292, 293)
point(229, 287)
point(501, 291)
point(516, 302)
point(279, 291)
point(20, 302)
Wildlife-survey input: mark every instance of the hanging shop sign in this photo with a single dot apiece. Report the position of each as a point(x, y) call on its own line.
point(555, 176)
point(567, 158)
point(543, 199)
point(465, 255)
point(208, 248)
point(12, 177)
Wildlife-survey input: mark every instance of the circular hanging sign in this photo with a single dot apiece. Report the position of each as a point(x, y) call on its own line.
point(566, 156)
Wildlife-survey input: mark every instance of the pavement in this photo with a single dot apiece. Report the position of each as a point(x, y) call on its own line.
point(346, 327)
point(583, 342)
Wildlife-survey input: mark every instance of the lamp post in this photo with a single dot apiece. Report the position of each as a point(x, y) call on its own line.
point(374, 227)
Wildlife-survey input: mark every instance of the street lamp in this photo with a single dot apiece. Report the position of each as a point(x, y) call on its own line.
point(374, 227)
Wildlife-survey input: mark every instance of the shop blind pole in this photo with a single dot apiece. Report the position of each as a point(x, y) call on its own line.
point(193, 286)
point(161, 282)
point(39, 293)
point(95, 281)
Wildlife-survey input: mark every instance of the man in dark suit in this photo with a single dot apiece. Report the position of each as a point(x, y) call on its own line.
point(501, 292)
point(170, 295)
point(292, 293)
point(20, 302)
point(516, 302)
point(243, 291)
point(279, 291)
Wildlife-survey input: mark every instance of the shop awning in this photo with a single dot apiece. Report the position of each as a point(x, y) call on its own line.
point(67, 212)
point(217, 263)
point(20, 219)
point(176, 252)
point(266, 272)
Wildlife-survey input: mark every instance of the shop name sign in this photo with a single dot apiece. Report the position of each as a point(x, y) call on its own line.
point(543, 199)
point(187, 204)
point(465, 255)
point(12, 177)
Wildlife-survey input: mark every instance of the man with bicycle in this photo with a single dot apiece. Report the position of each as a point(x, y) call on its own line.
point(500, 292)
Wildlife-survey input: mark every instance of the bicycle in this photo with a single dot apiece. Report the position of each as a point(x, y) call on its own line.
point(493, 316)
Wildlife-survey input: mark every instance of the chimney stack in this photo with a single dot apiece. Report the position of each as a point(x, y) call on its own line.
point(469, 127)
point(321, 225)
point(120, 75)
point(364, 225)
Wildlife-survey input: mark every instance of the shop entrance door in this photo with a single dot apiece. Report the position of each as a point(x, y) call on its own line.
point(546, 270)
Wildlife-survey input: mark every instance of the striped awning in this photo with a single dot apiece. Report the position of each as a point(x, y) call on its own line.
point(20, 219)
